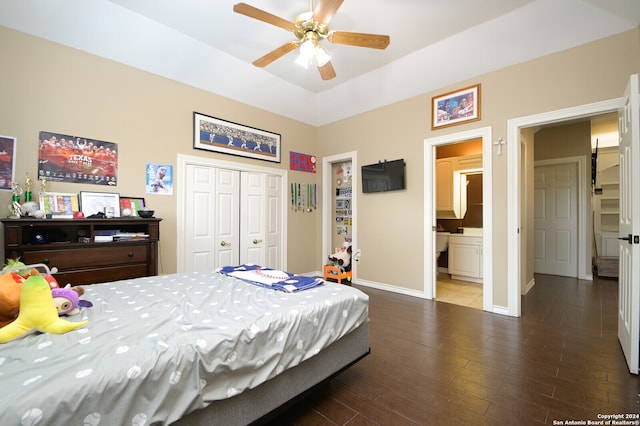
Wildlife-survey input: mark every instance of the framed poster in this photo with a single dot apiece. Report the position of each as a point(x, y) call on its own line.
point(456, 107)
point(214, 134)
point(65, 158)
point(7, 162)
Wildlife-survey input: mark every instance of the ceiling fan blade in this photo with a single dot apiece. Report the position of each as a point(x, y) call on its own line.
point(325, 10)
point(326, 71)
point(374, 41)
point(261, 15)
point(276, 54)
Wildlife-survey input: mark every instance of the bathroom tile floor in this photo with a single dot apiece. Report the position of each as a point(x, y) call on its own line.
point(458, 292)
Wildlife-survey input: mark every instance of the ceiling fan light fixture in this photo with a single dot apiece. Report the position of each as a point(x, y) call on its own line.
point(307, 50)
point(302, 61)
point(322, 57)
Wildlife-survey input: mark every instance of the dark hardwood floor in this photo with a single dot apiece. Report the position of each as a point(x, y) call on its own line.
point(434, 363)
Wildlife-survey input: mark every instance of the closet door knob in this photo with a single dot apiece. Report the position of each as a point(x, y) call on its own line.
point(257, 241)
point(224, 243)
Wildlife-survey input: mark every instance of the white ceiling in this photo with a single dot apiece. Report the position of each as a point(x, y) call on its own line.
point(205, 44)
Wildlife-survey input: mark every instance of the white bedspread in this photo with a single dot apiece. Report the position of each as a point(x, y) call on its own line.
point(156, 348)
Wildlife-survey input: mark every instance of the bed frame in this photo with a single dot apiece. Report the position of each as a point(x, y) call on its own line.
point(259, 404)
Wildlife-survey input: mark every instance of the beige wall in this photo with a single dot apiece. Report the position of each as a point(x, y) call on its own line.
point(49, 87)
point(46, 86)
point(390, 225)
point(569, 140)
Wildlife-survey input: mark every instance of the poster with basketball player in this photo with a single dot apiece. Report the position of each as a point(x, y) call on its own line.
point(64, 158)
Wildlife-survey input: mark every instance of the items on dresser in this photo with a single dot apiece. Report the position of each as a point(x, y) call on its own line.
point(86, 251)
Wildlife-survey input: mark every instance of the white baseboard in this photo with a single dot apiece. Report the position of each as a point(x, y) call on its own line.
point(502, 310)
point(391, 288)
point(529, 286)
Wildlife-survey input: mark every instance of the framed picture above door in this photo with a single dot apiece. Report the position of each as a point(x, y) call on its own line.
point(217, 135)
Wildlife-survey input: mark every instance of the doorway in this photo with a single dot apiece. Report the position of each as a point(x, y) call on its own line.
point(329, 207)
point(430, 216)
point(459, 222)
point(517, 130)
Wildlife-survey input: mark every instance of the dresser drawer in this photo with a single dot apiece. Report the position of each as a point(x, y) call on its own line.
point(101, 275)
point(89, 257)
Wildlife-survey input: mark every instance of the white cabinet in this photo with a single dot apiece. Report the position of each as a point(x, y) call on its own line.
point(465, 257)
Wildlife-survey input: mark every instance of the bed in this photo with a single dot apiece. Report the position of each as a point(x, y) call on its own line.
point(198, 348)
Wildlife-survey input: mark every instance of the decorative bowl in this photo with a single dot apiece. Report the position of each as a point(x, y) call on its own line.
point(146, 213)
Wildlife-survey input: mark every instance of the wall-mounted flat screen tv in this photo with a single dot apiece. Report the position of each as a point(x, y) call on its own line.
point(383, 176)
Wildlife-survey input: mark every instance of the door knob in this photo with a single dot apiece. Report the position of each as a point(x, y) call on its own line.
point(224, 243)
point(256, 241)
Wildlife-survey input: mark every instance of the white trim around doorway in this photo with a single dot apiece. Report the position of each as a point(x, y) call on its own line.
point(328, 207)
point(487, 200)
point(514, 127)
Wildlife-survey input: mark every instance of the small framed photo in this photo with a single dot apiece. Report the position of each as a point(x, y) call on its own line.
point(129, 206)
point(456, 107)
point(214, 134)
point(99, 202)
point(58, 205)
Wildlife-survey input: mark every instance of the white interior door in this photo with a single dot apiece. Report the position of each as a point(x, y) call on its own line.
point(629, 266)
point(252, 218)
point(556, 220)
point(273, 220)
point(199, 241)
point(226, 218)
point(260, 219)
point(212, 222)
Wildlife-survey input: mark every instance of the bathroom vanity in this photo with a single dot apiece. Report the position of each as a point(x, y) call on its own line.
point(465, 256)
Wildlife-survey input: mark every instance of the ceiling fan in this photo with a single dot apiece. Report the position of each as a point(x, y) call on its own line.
point(310, 28)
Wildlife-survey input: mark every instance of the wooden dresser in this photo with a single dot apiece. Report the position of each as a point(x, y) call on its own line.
point(71, 246)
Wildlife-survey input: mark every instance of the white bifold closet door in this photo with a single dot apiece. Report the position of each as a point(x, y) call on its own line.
point(234, 217)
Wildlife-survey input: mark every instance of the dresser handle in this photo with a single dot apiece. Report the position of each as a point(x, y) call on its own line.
point(130, 254)
point(45, 261)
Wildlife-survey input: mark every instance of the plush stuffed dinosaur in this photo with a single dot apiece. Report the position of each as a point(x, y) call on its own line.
point(37, 312)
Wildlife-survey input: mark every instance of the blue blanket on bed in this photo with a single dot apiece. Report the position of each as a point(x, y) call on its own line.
point(271, 278)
